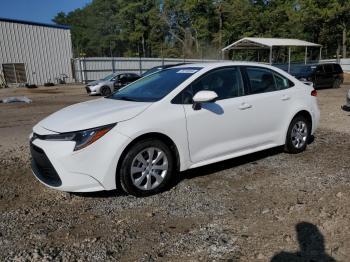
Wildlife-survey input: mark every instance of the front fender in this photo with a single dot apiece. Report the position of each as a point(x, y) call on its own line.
point(169, 121)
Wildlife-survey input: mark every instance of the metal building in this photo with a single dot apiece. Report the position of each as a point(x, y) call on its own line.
point(34, 53)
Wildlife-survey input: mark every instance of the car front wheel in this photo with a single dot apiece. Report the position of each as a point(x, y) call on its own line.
point(147, 168)
point(105, 91)
point(298, 135)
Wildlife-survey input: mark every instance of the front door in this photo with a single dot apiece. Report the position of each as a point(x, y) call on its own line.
point(218, 128)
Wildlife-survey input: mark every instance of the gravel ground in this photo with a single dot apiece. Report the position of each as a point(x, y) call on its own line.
point(251, 208)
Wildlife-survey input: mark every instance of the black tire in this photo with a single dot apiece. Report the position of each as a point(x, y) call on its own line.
point(124, 178)
point(336, 83)
point(290, 146)
point(105, 91)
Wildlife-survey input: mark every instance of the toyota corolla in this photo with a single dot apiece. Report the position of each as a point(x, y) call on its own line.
point(140, 137)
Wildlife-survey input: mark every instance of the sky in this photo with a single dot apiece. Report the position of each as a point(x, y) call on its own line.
point(42, 11)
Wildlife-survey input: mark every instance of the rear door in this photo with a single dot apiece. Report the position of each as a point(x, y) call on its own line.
point(329, 75)
point(269, 96)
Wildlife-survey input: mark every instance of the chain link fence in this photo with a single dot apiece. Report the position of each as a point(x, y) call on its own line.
point(92, 68)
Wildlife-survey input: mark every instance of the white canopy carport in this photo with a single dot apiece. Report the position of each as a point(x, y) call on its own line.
point(268, 43)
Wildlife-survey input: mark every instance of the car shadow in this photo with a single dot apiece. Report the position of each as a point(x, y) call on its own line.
point(199, 171)
point(231, 163)
point(227, 164)
point(311, 246)
point(192, 173)
point(214, 108)
point(100, 194)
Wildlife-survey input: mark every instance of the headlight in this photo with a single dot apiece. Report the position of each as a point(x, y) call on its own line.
point(81, 138)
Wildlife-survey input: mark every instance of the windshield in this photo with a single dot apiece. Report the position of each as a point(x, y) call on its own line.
point(152, 70)
point(154, 87)
point(109, 77)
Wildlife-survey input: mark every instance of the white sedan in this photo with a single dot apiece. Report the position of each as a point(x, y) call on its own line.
point(183, 117)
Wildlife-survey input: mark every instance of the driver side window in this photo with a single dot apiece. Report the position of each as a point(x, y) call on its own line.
point(225, 82)
point(122, 78)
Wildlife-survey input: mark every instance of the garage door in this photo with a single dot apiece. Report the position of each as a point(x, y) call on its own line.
point(14, 73)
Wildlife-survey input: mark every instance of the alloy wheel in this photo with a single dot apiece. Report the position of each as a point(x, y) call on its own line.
point(299, 134)
point(149, 168)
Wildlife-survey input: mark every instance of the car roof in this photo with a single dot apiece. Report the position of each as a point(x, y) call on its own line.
point(316, 64)
point(173, 65)
point(212, 65)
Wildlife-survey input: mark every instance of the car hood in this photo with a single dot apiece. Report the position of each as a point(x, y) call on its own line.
point(92, 114)
point(96, 82)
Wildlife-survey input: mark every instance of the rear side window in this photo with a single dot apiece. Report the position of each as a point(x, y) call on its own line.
point(337, 68)
point(328, 68)
point(281, 82)
point(263, 80)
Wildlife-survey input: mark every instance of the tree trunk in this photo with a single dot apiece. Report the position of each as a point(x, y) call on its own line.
point(344, 42)
point(220, 27)
point(143, 47)
point(338, 52)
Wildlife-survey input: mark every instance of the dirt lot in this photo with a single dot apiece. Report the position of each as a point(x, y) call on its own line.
point(254, 208)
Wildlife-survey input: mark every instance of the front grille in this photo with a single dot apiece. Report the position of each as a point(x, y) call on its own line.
point(88, 90)
point(42, 167)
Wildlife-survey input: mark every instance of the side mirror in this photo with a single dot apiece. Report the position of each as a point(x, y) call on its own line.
point(203, 97)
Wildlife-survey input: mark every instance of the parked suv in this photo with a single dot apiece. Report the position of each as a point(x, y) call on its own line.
point(110, 83)
point(326, 75)
point(183, 117)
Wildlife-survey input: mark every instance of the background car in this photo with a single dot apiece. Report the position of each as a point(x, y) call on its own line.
point(110, 83)
point(176, 119)
point(346, 107)
point(326, 75)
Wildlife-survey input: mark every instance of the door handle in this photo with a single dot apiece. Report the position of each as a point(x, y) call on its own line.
point(285, 97)
point(244, 106)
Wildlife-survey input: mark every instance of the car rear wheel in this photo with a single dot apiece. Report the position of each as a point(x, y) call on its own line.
point(298, 135)
point(336, 83)
point(147, 168)
point(105, 91)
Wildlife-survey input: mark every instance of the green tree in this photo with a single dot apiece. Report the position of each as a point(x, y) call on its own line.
point(200, 28)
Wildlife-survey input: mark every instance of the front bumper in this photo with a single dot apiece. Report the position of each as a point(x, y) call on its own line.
point(42, 167)
point(56, 165)
point(92, 90)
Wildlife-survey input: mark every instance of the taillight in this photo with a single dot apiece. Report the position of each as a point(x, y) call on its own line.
point(314, 92)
